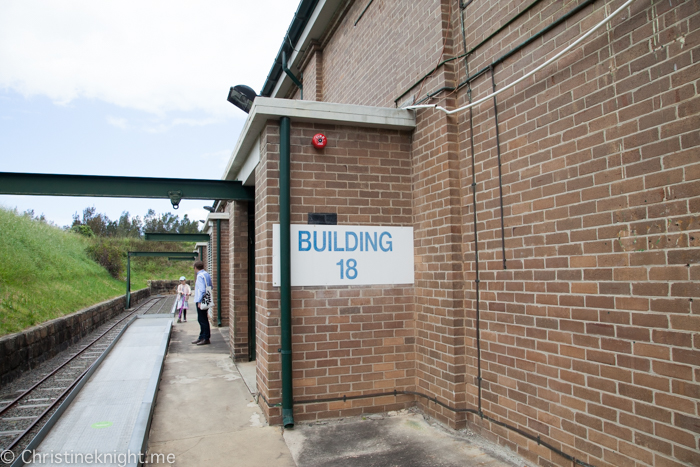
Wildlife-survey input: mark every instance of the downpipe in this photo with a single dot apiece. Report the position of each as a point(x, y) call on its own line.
point(285, 275)
point(218, 272)
point(289, 73)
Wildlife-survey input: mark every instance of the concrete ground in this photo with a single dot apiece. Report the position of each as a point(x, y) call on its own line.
point(396, 439)
point(205, 414)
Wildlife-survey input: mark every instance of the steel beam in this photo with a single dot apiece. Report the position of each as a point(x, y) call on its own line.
point(162, 254)
point(171, 255)
point(176, 237)
point(12, 183)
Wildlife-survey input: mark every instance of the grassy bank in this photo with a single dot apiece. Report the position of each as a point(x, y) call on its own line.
point(46, 272)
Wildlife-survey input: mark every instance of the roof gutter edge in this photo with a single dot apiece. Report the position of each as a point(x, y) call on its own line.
point(296, 28)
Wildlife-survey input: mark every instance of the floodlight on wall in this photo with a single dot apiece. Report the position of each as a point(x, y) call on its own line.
point(242, 97)
point(209, 208)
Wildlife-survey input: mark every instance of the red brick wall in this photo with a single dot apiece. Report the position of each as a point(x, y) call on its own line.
point(442, 355)
point(238, 279)
point(313, 75)
point(589, 337)
point(346, 340)
point(267, 312)
point(393, 45)
point(225, 268)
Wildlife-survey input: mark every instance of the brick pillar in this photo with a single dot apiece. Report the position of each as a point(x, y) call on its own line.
point(266, 296)
point(438, 224)
point(238, 280)
point(225, 268)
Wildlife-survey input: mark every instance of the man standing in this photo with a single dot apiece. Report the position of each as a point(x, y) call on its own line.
point(200, 287)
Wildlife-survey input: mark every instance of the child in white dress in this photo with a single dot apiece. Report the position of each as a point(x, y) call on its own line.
point(183, 294)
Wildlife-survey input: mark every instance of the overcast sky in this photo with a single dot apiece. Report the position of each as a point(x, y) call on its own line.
point(128, 88)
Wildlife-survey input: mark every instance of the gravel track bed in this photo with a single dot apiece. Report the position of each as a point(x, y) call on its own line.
point(32, 405)
point(163, 307)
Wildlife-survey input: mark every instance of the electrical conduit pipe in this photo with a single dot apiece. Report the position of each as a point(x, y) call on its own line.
point(527, 75)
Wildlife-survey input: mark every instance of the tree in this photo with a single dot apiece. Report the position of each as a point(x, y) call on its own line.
point(42, 218)
point(126, 227)
point(101, 226)
point(188, 226)
point(98, 223)
point(168, 223)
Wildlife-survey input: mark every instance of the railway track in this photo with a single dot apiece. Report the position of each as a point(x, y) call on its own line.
point(26, 411)
point(162, 307)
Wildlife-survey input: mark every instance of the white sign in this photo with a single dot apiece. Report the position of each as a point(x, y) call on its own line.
point(346, 255)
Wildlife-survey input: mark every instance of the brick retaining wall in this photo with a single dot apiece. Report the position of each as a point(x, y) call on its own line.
point(25, 350)
point(167, 287)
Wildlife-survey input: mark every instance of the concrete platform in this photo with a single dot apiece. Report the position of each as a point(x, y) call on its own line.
point(400, 439)
point(112, 412)
point(205, 414)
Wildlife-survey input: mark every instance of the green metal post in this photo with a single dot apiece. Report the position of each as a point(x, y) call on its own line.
point(285, 275)
point(128, 280)
point(218, 272)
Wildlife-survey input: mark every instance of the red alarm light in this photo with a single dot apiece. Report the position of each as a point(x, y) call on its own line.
point(319, 141)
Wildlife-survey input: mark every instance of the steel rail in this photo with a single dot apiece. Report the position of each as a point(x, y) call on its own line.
point(21, 396)
point(43, 414)
point(58, 399)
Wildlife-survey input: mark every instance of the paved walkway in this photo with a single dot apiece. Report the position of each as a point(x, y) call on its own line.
point(205, 415)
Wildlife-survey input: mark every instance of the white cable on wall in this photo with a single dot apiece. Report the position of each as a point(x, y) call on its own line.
point(524, 77)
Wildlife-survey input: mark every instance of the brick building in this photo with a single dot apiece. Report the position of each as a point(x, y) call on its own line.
point(556, 225)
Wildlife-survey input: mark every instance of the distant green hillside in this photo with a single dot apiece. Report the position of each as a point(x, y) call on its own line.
point(46, 272)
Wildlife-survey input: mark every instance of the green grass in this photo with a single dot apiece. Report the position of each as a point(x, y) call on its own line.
point(46, 272)
point(145, 269)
